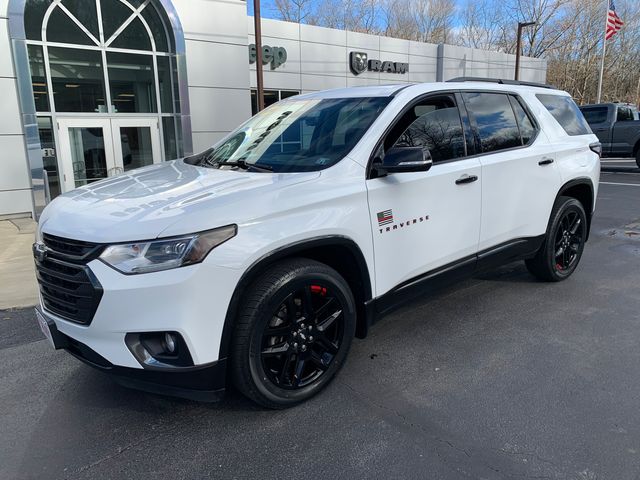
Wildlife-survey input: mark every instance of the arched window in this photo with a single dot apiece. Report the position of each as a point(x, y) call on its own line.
point(104, 57)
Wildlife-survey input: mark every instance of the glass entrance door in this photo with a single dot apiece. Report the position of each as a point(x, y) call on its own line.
point(93, 149)
point(136, 142)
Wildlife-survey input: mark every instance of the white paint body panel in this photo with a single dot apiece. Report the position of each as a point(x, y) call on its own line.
point(436, 221)
point(512, 199)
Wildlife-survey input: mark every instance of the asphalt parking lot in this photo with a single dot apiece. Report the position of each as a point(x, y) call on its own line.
point(499, 377)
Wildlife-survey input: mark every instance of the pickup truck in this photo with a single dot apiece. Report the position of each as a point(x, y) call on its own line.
point(617, 126)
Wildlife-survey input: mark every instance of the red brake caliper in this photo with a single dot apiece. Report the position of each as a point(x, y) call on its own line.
point(317, 289)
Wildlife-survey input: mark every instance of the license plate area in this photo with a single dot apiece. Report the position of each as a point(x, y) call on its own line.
point(49, 329)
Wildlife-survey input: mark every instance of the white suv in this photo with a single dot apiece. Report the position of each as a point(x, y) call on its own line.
point(257, 261)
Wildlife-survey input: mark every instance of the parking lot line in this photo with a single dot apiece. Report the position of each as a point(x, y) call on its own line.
point(622, 184)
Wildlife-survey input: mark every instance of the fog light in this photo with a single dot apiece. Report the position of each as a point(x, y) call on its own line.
point(170, 342)
point(159, 349)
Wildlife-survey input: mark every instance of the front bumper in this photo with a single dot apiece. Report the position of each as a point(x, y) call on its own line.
point(204, 383)
point(191, 301)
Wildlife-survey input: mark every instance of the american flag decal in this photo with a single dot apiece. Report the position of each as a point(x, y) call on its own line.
point(385, 217)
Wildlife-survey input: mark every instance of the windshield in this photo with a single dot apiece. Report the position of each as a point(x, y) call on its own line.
point(295, 135)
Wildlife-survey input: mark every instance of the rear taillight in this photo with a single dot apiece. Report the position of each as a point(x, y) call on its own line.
point(596, 148)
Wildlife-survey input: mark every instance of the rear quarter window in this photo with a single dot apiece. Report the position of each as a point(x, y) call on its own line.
point(566, 113)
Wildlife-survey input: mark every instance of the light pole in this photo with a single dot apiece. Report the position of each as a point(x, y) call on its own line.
point(521, 25)
point(258, 34)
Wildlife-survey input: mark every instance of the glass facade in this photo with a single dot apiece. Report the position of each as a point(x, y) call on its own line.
point(132, 83)
point(77, 78)
point(103, 57)
point(270, 97)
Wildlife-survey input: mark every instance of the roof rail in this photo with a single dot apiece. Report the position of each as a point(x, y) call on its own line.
point(501, 81)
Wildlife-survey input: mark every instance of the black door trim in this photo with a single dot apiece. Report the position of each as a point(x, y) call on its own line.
point(426, 284)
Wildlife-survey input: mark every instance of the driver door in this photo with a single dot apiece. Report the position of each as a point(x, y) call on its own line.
point(424, 222)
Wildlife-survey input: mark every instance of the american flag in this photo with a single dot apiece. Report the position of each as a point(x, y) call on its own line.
point(614, 24)
point(385, 217)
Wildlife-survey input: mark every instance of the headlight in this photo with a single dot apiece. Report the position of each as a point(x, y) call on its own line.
point(164, 254)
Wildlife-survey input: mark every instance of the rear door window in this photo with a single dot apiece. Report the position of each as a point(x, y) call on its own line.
point(624, 114)
point(566, 113)
point(595, 115)
point(494, 120)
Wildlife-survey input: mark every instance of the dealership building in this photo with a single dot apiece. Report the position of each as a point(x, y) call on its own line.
point(93, 88)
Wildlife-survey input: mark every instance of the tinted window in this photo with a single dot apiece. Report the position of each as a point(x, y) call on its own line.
point(624, 114)
point(566, 113)
point(595, 114)
point(435, 126)
point(527, 129)
point(495, 122)
point(296, 135)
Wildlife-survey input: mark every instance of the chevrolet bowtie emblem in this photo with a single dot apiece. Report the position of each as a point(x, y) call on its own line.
point(40, 251)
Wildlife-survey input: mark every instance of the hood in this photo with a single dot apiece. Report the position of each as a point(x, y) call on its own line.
point(142, 203)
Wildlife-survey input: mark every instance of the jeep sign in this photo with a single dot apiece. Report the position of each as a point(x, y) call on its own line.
point(276, 56)
point(359, 62)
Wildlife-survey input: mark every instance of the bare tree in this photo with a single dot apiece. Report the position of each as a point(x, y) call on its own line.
point(421, 20)
point(399, 20)
point(354, 15)
point(574, 64)
point(434, 20)
point(551, 21)
point(568, 33)
point(294, 10)
point(482, 25)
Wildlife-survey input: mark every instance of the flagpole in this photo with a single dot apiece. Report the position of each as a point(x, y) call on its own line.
point(604, 51)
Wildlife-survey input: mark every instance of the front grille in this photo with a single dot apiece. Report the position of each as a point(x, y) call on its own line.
point(67, 286)
point(74, 250)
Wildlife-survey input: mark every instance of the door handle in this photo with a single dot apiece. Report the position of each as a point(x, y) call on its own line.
point(466, 179)
point(545, 161)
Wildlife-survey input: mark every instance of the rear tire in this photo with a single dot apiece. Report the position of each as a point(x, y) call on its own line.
point(638, 157)
point(293, 333)
point(564, 242)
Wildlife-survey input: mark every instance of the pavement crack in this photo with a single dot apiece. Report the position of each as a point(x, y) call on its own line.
point(117, 453)
point(527, 454)
point(442, 440)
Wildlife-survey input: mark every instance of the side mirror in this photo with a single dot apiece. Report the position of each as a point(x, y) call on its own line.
point(406, 159)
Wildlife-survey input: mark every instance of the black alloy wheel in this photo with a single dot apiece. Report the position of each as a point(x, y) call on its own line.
point(293, 333)
point(568, 241)
point(564, 242)
point(303, 336)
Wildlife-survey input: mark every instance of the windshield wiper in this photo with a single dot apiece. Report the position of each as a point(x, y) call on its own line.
point(246, 166)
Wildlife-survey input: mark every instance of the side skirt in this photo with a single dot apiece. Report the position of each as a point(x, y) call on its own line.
point(429, 283)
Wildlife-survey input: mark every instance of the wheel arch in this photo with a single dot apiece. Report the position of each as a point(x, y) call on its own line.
point(582, 190)
point(339, 252)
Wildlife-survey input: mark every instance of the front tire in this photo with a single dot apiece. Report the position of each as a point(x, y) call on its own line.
point(564, 242)
point(293, 333)
point(638, 157)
